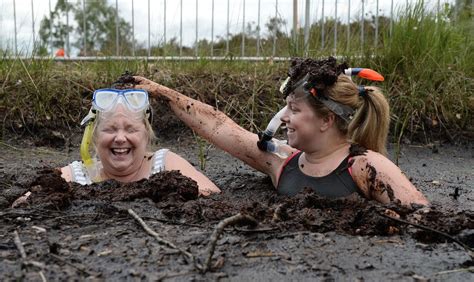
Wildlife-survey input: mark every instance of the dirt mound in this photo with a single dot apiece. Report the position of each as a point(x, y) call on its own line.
point(50, 189)
point(177, 198)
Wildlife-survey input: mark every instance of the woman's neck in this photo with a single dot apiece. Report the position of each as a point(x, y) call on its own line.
point(330, 152)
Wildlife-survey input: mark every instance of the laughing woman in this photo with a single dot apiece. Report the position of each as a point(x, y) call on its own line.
point(336, 130)
point(118, 127)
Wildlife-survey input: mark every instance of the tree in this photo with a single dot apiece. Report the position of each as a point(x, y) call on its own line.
point(52, 28)
point(101, 30)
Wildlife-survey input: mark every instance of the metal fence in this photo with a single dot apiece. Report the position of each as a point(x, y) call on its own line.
point(306, 26)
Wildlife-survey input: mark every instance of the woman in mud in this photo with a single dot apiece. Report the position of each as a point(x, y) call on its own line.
point(118, 127)
point(336, 131)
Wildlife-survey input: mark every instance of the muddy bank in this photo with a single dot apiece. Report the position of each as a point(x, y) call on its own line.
point(69, 231)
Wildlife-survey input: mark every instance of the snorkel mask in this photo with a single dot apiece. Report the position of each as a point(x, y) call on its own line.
point(104, 101)
point(305, 87)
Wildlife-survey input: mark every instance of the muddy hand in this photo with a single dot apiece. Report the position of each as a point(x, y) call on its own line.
point(148, 85)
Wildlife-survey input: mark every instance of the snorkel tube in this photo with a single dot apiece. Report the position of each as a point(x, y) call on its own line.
point(90, 164)
point(272, 127)
point(85, 143)
point(265, 142)
point(364, 73)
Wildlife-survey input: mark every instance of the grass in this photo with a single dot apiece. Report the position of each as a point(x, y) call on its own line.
point(427, 63)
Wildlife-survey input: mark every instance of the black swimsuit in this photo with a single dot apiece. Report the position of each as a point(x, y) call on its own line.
point(338, 183)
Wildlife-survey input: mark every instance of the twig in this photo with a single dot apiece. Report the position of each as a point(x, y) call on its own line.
point(42, 276)
point(455, 270)
point(19, 245)
point(72, 265)
point(163, 241)
point(217, 232)
point(466, 247)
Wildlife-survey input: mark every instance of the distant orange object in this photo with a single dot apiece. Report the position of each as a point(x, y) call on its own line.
point(60, 53)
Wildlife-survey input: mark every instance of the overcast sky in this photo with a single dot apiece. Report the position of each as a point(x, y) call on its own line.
point(24, 21)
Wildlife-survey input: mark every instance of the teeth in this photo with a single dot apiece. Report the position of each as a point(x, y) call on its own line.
point(120, 150)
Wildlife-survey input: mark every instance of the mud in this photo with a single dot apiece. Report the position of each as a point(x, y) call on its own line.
point(75, 232)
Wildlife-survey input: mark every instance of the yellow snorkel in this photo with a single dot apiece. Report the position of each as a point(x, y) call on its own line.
point(85, 143)
point(90, 164)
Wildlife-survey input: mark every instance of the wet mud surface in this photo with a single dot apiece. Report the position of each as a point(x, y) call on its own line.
point(73, 232)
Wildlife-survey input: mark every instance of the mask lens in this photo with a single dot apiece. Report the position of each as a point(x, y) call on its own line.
point(137, 100)
point(104, 99)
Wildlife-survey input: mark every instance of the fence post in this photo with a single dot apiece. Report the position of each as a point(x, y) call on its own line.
point(335, 28)
point(212, 30)
point(116, 29)
point(377, 24)
point(258, 29)
point(33, 25)
point(242, 52)
point(197, 42)
point(50, 29)
point(322, 26)
point(149, 48)
point(84, 34)
point(133, 29)
point(306, 28)
point(276, 28)
point(181, 29)
point(362, 28)
point(164, 28)
point(227, 35)
point(14, 23)
point(295, 25)
point(348, 44)
point(68, 50)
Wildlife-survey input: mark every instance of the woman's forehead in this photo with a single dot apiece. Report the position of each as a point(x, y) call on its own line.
point(126, 117)
point(295, 99)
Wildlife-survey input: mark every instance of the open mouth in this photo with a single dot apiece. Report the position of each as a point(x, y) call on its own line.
point(120, 151)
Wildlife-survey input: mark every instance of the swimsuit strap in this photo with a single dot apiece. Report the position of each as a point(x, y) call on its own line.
point(79, 174)
point(159, 161)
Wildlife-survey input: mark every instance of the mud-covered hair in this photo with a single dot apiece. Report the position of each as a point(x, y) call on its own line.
point(370, 123)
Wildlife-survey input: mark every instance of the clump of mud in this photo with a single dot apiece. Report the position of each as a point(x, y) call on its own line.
point(50, 189)
point(321, 73)
point(125, 81)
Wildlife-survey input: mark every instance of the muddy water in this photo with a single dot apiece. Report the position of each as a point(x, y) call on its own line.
point(71, 232)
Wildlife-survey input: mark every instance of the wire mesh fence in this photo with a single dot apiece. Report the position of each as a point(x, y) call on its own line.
point(192, 29)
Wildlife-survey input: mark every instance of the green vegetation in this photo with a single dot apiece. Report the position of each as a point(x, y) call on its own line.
point(427, 63)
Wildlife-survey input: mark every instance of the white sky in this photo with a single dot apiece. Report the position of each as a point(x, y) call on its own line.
point(24, 21)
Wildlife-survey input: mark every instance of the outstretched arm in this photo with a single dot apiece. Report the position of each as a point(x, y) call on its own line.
point(381, 180)
point(216, 127)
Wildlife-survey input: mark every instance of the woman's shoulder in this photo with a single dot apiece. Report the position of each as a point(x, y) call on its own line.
point(370, 161)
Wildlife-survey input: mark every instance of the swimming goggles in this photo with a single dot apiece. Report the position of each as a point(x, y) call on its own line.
point(105, 100)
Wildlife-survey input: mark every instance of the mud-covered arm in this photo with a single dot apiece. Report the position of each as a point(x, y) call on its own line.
point(216, 127)
point(381, 180)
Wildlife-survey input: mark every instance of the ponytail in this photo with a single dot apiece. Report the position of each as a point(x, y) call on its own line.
point(370, 124)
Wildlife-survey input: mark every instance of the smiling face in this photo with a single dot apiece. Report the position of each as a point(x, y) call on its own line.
point(121, 142)
point(302, 123)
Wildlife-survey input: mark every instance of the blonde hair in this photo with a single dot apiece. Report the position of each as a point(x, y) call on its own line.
point(370, 124)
